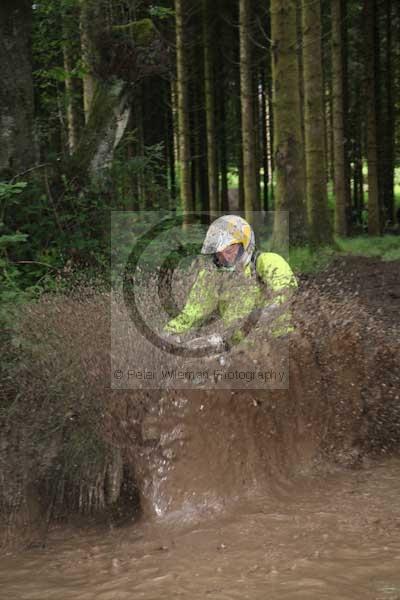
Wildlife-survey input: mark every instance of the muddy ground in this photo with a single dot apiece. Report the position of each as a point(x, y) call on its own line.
point(190, 455)
point(374, 282)
point(331, 536)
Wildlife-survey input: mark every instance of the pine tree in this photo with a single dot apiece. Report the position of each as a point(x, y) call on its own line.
point(341, 228)
point(72, 89)
point(317, 200)
point(374, 224)
point(210, 106)
point(88, 19)
point(389, 123)
point(251, 202)
point(288, 144)
point(182, 71)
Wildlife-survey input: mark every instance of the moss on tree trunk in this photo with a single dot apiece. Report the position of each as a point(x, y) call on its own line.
point(108, 120)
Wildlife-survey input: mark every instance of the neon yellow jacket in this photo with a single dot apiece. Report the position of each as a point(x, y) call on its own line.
point(234, 297)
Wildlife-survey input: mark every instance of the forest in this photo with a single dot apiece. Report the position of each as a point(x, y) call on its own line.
point(207, 106)
point(120, 114)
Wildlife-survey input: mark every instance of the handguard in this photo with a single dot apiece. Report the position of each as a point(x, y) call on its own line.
point(214, 342)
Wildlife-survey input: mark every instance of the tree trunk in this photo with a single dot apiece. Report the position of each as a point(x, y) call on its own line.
point(271, 139)
point(210, 106)
point(194, 163)
point(329, 133)
point(257, 136)
point(17, 145)
point(358, 196)
point(374, 225)
point(71, 93)
point(241, 204)
point(170, 145)
point(247, 107)
point(88, 19)
point(183, 108)
point(269, 117)
point(288, 149)
point(199, 135)
point(239, 145)
point(226, 40)
point(317, 201)
point(379, 86)
point(223, 159)
point(346, 129)
point(72, 88)
point(388, 173)
point(139, 141)
point(109, 117)
point(264, 101)
point(338, 121)
point(299, 46)
point(325, 122)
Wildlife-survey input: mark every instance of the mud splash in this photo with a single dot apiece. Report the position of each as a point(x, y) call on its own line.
point(199, 452)
point(186, 456)
point(333, 536)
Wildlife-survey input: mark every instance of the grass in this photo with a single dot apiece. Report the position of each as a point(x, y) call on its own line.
point(386, 247)
point(306, 260)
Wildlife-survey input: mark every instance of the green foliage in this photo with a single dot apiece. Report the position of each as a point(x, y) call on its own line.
point(397, 186)
point(10, 276)
point(8, 191)
point(8, 240)
point(52, 238)
point(48, 73)
point(139, 181)
point(161, 12)
point(141, 31)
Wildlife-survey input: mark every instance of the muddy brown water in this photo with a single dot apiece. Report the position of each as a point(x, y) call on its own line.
point(279, 494)
point(333, 535)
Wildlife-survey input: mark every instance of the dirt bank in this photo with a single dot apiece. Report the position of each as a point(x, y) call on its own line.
point(375, 283)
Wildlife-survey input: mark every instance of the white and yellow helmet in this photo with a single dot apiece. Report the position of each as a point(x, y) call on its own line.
point(228, 230)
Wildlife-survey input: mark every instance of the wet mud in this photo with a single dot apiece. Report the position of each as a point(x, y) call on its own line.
point(293, 493)
point(335, 535)
point(199, 451)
